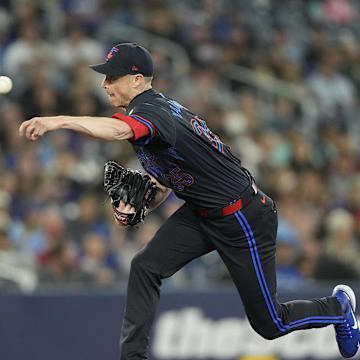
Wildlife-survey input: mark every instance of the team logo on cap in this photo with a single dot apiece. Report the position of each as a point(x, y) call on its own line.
point(134, 68)
point(111, 53)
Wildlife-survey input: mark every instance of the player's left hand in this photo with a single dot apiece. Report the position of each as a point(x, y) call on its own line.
point(130, 190)
point(124, 209)
point(38, 126)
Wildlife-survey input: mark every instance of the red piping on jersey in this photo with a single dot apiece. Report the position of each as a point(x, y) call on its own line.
point(139, 129)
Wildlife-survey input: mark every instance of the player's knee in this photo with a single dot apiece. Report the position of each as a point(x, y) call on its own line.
point(269, 335)
point(266, 331)
point(142, 262)
point(138, 261)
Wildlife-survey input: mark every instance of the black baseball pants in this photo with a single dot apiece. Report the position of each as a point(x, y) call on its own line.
point(246, 242)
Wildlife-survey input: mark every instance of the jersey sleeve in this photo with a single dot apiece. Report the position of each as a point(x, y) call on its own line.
point(158, 121)
point(139, 129)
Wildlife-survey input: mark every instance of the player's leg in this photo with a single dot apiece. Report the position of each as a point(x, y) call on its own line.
point(176, 243)
point(246, 241)
point(282, 318)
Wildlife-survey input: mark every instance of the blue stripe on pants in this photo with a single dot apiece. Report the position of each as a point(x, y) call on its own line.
point(264, 288)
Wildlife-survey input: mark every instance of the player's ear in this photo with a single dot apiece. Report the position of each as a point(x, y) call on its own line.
point(138, 79)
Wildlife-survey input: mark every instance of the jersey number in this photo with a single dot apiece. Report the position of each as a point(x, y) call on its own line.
point(200, 127)
point(179, 179)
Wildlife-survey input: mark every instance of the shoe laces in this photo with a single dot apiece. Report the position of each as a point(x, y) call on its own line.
point(343, 331)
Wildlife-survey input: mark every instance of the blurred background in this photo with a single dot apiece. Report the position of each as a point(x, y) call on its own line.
point(277, 80)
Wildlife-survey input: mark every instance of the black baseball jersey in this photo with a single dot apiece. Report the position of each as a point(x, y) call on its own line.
point(183, 154)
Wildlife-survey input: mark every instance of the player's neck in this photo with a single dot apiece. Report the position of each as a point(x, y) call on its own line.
point(140, 91)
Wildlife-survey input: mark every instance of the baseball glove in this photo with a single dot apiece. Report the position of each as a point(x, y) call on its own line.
point(131, 187)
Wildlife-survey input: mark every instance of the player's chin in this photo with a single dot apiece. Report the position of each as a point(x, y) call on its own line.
point(114, 101)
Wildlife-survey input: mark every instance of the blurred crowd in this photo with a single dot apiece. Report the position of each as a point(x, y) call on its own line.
point(292, 120)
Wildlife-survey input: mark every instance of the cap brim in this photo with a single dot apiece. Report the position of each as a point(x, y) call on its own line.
point(106, 69)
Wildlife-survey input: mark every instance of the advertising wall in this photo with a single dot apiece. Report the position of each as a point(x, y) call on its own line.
point(189, 325)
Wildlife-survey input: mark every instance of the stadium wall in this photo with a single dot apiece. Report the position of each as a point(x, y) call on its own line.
point(189, 325)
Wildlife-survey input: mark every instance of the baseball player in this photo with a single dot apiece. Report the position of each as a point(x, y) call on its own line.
point(223, 211)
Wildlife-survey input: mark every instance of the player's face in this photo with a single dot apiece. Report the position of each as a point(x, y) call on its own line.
point(119, 89)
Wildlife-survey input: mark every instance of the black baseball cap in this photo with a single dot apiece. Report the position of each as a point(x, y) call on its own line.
point(126, 58)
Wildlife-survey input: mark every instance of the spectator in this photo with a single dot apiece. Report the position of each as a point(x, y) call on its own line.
point(29, 47)
point(340, 242)
point(17, 267)
point(97, 261)
point(59, 264)
point(287, 254)
point(334, 93)
point(353, 198)
point(88, 218)
point(77, 48)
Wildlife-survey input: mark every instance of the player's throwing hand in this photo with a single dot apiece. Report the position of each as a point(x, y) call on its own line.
point(38, 126)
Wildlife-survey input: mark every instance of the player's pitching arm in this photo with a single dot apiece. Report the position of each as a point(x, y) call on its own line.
point(102, 128)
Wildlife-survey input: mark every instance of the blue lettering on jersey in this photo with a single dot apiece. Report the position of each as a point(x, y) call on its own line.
point(172, 152)
point(174, 106)
point(163, 168)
